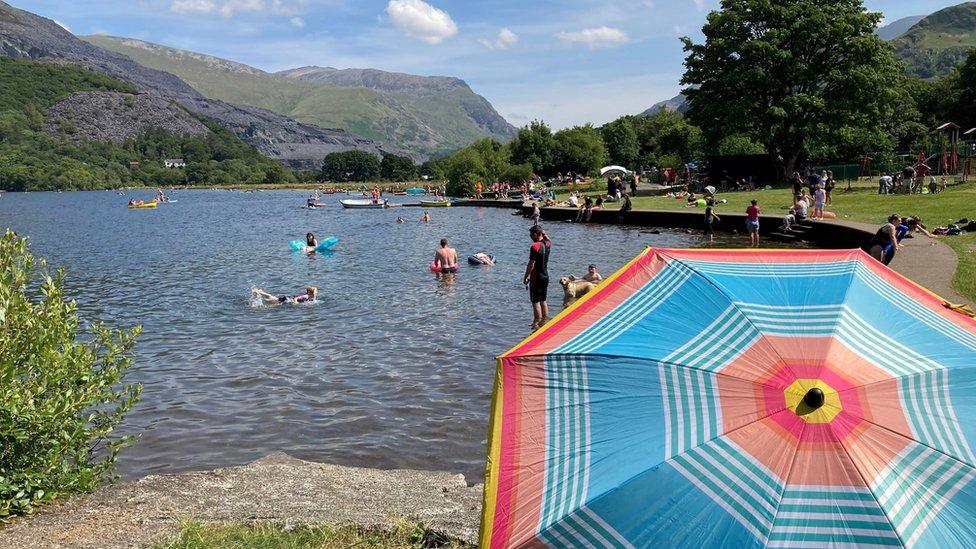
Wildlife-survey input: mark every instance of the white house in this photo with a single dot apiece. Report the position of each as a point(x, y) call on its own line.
point(174, 163)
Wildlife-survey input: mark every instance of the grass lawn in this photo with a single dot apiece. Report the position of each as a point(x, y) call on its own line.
point(862, 203)
point(199, 536)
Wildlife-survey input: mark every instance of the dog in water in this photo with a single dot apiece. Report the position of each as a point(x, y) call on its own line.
point(573, 288)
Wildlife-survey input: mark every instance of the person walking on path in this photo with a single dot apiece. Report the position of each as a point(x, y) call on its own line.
point(536, 276)
point(752, 222)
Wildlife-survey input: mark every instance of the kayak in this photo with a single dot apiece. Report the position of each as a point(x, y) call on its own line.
point(325, 245)
point(315, 205)
point(367, 203)
point(143, 205)
point(435, 203)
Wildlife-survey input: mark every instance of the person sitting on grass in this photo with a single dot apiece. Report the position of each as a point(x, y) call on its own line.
point(627, 205)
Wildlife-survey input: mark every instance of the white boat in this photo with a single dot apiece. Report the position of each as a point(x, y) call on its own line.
point(363, 203)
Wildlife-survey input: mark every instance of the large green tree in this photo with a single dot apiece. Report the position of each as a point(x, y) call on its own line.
point(350, 166)
point(579, 150)
point(620, 139)
point(397, 168)
point(778, 71)
point(534, 144)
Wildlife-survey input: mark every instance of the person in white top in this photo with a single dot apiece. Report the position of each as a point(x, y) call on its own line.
point(574, 199)
point(819, 199)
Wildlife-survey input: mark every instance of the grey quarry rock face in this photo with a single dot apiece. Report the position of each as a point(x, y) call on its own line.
point(103, 116)
point(275, 489)
point(301, 146)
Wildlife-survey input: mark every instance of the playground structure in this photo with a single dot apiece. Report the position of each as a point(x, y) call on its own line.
point(969, 148)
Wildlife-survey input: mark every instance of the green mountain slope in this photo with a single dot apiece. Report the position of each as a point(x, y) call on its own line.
point(418, 120)
point(939, 42)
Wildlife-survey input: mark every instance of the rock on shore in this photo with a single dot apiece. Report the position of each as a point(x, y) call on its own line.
point(276, 488)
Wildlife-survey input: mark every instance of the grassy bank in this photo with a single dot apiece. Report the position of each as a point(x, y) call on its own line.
point(406, 534)
point(862, 203)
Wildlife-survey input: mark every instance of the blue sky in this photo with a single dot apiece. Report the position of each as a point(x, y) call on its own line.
point(563, 61)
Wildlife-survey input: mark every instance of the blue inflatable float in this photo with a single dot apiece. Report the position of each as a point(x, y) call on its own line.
point(325, 245)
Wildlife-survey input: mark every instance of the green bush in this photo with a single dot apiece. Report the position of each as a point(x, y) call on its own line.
point(61, 391)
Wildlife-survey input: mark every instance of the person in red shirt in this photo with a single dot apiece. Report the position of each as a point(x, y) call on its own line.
point(537, 275)
point(752, 222)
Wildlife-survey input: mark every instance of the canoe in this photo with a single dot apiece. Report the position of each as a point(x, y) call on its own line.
point(143, 205)
point(363, 203)
point(435, 203)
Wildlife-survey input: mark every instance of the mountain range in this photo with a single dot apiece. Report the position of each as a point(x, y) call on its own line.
point(426, 114)
point(938, 42)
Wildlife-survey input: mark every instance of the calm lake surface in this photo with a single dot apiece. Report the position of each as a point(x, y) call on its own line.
point(392, 368)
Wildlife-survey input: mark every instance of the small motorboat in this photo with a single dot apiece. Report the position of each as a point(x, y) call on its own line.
point(363, 203)
point(143, 205)
point(435, 203)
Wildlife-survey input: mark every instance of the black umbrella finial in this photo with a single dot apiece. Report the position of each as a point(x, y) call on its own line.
point(814, 398)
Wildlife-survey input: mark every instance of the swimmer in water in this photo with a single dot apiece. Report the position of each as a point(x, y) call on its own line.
point(271, 299)
point(311, 243)
point(426, 217)
point(400, 220)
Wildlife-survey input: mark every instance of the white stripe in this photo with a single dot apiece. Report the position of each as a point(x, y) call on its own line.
point(586, 432)
point(576, 456)
point(831, 530)
point(694, 406)
point(665, 394)
point(833, 545)
point(900, 482)
point(831, 516)
point(736, 477)
point(679, 410)
point(719, 499)
point(583, 525)
point(923, 490)
point(934, 509)
point(705, 472)
point(609, 529)
point(847, 503)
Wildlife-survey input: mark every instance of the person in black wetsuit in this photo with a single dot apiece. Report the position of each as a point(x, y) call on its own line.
point(886, 236)
point(537, 275)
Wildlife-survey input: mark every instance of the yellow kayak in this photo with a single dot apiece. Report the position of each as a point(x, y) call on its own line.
point(435, 203)
point(144, 205)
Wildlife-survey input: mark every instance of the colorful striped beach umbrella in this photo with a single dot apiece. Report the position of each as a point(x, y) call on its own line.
point(720, 398)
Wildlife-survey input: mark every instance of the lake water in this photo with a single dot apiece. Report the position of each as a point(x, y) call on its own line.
point(392, 368)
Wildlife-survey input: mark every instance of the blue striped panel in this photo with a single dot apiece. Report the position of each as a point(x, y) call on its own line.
point(918, 484)
point(820, 516)
point(567, 439)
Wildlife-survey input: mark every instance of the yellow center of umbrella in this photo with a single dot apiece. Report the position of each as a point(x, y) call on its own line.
point(797, 400)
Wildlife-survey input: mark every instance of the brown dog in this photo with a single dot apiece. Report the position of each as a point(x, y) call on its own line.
point(573, 288)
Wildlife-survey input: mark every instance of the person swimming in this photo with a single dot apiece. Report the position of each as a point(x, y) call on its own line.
point(400, 220)
point(592, 275)
point(308, 297)
point(426, 217)
point(311, 243)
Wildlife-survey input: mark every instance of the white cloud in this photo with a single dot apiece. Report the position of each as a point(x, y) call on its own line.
point(597, 37)
point(62, 25)
point(188, 6)
point(420, 20)
point(228, 8)
point(506, 39)
point(297, 22)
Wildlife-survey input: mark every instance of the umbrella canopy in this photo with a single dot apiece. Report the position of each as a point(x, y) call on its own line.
point(706, 398)
point(607, 169)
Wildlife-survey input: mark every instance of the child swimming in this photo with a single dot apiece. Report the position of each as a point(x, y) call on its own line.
point(271, 299)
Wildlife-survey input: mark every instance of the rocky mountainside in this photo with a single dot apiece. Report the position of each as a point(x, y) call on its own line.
point(678, 103)
point(426, 114)
point(114, 116)
point(897, 28)
point(939, 42)
point(302, 146)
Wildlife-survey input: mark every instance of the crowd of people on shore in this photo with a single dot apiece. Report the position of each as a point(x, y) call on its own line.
point(911, 180)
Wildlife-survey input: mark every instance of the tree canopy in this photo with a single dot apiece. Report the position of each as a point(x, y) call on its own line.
point(350, 166)
point(778, 72)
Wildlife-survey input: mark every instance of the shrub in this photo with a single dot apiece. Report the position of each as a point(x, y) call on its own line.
point(61, 393)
